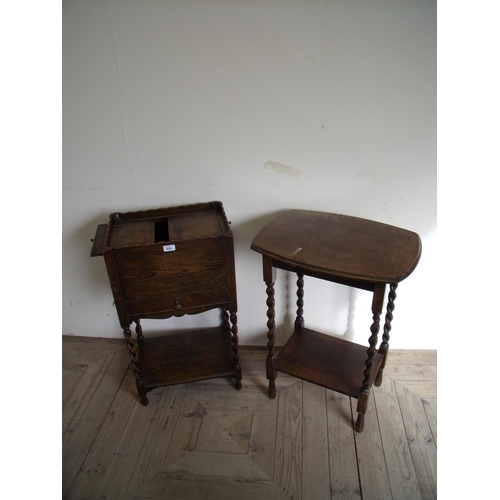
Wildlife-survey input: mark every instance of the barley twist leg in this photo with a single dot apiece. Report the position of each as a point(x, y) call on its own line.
point(299, 321)
point(365, 388)
point(377, 305)
point(132, 351)
point(236, 355)
point(271, 372)
point(225, 320)
point(384, 346)
point(138, 330)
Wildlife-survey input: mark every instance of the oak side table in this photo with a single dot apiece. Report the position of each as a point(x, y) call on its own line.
point(348, 250)
point(171, 262)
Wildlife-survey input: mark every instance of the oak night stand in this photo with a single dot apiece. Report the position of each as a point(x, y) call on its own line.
point(171, 262)
point(348, 250)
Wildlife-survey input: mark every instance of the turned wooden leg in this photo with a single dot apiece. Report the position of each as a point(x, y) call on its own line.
point(225, 319)
point(132, 351)
point(377, 303)
point(138, 330)
point(384, 346)
point(360, 423)
point(142, 392)
point(271, 372)
point(299, 320)
point(365, 388)
point(236, 355)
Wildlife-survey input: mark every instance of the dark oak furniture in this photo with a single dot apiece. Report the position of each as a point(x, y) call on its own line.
point(348, 250)
point(171, 262)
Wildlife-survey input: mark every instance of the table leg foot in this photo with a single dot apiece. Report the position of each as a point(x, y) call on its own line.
point(271, 375)
point(379, 378)
point(361, 409)
point(237, 377)
point(360, 423)
point(272, 389)
point(142, 392)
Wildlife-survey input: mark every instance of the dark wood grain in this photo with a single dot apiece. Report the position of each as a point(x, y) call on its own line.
point(348, 250)
point(171, 262)
point(147, 271)
point(325, 360)
point(340, 245)
point(181, 357)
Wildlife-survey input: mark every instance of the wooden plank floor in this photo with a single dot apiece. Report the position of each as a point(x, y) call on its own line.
point(205, 440)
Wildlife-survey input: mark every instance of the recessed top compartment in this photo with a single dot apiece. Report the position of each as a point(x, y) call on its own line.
point(197, 225)
point(161, 230)
point(130, 229)
point(132, 233)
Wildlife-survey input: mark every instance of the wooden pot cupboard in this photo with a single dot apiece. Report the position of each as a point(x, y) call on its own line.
point(171, 262)
point(348, 250)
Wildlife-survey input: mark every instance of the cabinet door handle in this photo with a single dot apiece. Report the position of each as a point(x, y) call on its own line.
point(177, 304)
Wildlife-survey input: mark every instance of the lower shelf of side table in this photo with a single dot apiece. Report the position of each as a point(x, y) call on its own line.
point(176, 358)
point(328, 361)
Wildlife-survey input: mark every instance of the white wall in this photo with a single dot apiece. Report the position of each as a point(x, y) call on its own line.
point(170, 102)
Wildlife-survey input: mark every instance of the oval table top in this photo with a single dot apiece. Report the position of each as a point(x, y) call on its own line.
point(340, 245)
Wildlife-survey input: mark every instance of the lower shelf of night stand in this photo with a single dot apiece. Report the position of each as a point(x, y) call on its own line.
point(328, 361)
point(175, 358)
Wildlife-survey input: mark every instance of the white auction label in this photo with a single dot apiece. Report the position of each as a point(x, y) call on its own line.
point(169, 248)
